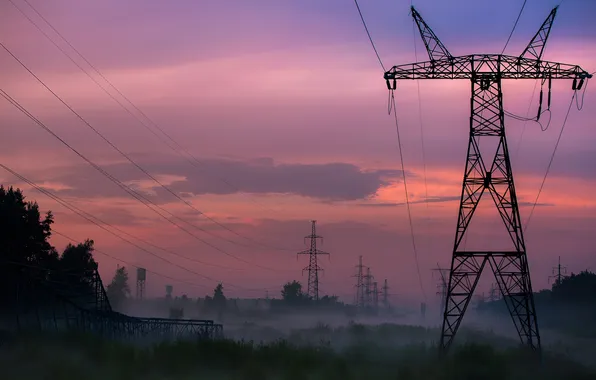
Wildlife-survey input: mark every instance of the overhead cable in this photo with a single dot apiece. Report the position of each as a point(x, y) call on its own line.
point(178, 148)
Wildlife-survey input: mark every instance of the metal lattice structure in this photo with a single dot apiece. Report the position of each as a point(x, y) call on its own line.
point(385, 292)
point(368, 288)
point(442, 286)
point(313, 267)
point(375, 296)
point(58, 301)
point(488, 174)
point(359, 299)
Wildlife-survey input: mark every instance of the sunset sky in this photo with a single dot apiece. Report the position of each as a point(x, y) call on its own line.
point(284, 106)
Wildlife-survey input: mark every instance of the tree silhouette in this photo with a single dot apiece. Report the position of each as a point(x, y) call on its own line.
point(217, 303)
point(578, 289)
point(570, 306)
point(23, 233)
point(78, 258)
point(75, 276)
point(24, 247)
point(292, 293)
point(118, 290)
point(218, 294)
point(32, 273)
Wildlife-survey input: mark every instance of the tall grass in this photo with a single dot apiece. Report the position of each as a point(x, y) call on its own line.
point(85, 357)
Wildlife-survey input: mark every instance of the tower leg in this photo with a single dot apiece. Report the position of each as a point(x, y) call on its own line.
point(509, 267)
point(463, 278)
point(513, 279)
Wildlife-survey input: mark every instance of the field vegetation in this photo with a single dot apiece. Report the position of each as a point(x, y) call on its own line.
point(365, 353)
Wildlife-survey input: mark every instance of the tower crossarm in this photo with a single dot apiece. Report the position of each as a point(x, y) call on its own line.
point(469, 66)
point(316, 251)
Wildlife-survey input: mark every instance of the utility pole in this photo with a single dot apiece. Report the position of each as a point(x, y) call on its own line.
point(558, 273)
point(492, 174)
point(385, 291)
point(360, 291)
point(313, 267)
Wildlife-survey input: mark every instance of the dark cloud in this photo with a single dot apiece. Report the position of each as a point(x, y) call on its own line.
point(328, 182)
point(439, 200)
point(429, 200)
point(539, 204)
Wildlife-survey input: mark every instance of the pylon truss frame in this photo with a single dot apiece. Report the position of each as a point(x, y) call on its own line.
point(50, 305)
point(486, 72)
point(469, 66)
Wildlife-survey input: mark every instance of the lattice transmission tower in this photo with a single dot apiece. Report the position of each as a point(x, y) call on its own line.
point(558, 273)
point(385, 292)
point(488, 173)
point(360, 288)
point(368, 288)
point(442, 286)
point(313, 267)
point(375, 296)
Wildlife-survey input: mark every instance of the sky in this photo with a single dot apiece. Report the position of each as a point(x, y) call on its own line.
point(275, 114)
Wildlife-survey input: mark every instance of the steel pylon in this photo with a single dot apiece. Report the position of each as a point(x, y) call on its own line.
point(488, 173)
point(313, 267)
point(510, 268)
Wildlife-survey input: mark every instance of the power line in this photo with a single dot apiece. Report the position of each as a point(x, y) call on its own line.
point(514, 26)
point(526, 121)
point(85, 216)
point(103, 222)
point(114, 146)
point(134, 163)
point(139, 197)
point(369, 36)
point(550, 162)
point(403, 170)
point(179, 149)
point(54, 231)
point(400, 153)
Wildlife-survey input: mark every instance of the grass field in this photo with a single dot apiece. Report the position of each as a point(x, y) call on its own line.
point(365, 353)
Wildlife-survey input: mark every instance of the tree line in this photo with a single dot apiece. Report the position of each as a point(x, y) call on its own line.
point(26, 255)
point(569, 306)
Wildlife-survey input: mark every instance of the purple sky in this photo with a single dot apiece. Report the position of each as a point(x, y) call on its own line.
point(284, 105)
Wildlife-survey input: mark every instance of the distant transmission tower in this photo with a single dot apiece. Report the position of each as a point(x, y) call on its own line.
point(141, 276)
point(489, 172)
point(558, 273)
point(368, 287)
point(493, 294)
point(385, 291)
point(313, 267)
point(360, 290)
point(375, 297)
point(442, 287)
